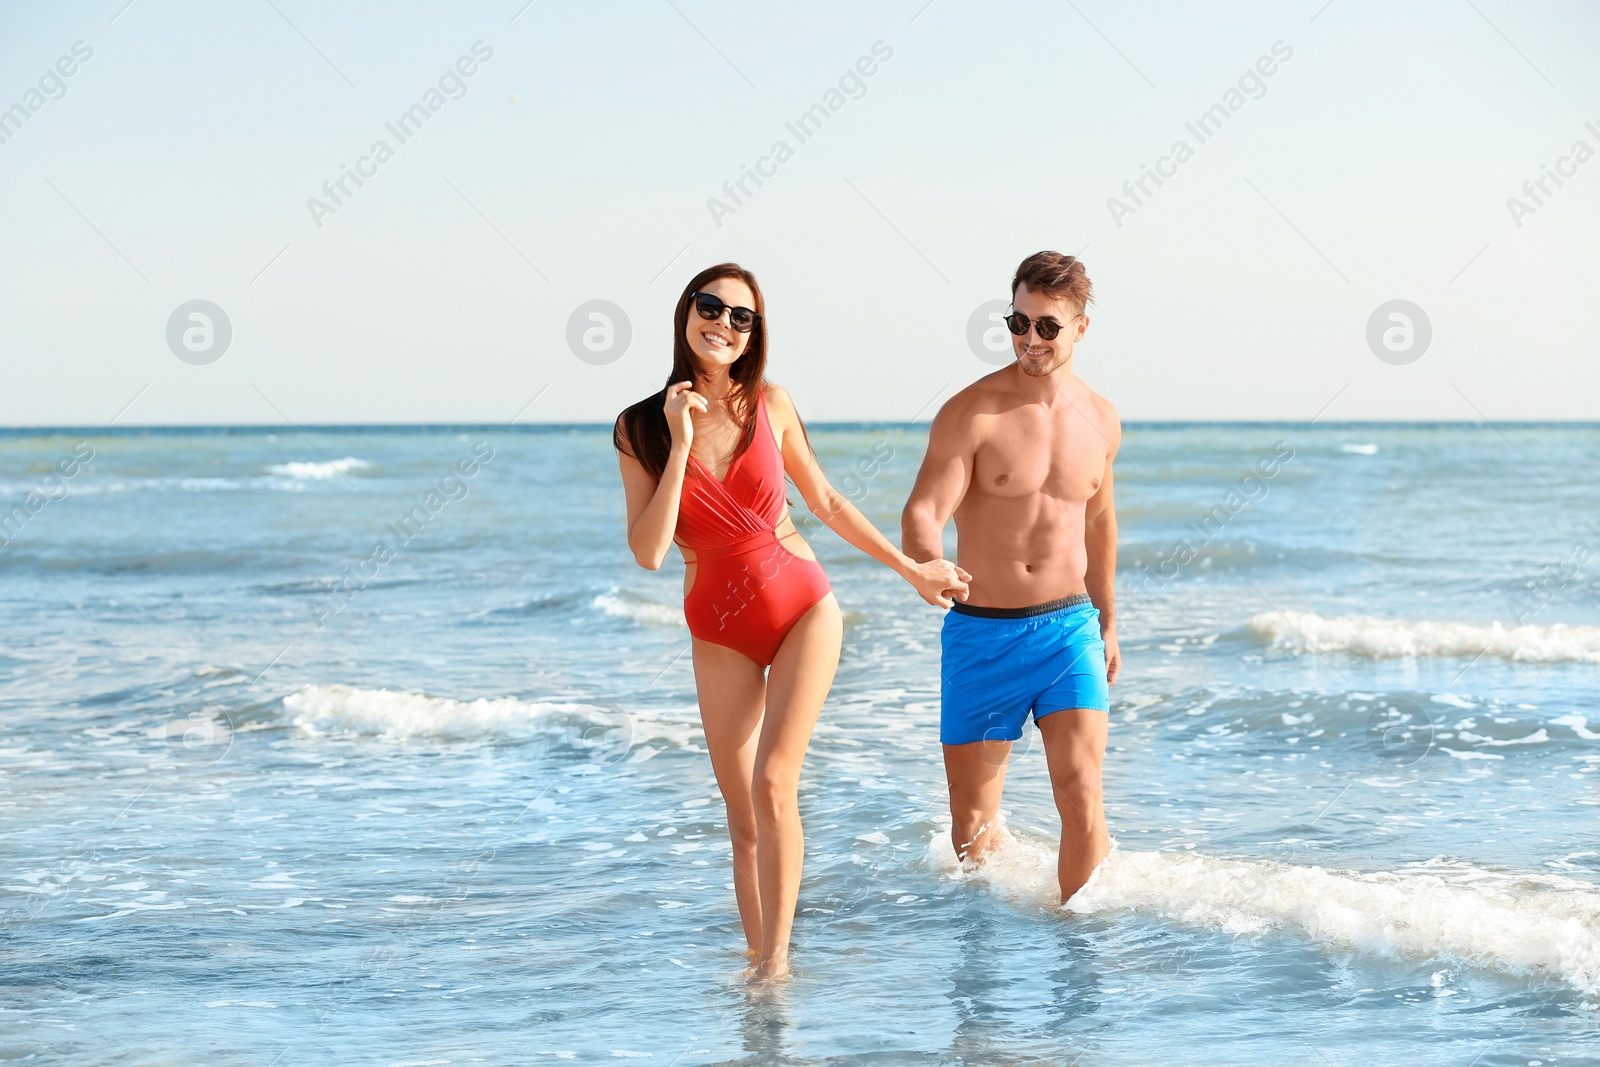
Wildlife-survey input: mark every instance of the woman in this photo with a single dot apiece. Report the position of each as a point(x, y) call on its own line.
point(703, 463)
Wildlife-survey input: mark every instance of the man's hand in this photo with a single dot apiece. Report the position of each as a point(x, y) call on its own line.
point(1108, 634)
point(938, 581)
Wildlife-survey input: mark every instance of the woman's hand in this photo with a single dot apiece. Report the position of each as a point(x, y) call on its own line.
point(682, 403)
point(938, 581)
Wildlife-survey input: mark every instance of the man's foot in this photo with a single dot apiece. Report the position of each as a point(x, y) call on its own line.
point(1094, 876)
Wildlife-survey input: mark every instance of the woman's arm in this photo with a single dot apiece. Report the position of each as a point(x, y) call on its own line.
point(653, 505)
point(933, 579)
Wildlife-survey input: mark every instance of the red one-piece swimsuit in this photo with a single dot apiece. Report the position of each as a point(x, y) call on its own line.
point(750, 589)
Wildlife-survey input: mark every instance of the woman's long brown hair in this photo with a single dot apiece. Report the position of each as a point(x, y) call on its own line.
point(641, 430)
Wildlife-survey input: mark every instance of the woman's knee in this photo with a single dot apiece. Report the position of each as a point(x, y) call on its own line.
point(742, 826)
point(774, 794)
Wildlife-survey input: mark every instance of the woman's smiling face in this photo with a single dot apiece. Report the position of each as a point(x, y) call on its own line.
point(715, 341)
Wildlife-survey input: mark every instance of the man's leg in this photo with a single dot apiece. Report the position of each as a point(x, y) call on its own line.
point(1074, 748)
point(982, 707)
point(977, 774)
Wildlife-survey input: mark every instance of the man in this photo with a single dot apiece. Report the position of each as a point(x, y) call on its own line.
point(1022, 458)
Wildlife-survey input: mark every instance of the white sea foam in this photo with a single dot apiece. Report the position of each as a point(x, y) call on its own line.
point(320, 708)
point(1304, 631)
point(1523, 924)
point(1360, 450)
point(644, 611)
point(319, 471)
point(171, 485)
point(605, 730)
point(1579, 724)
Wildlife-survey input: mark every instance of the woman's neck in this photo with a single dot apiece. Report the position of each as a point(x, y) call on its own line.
point(717, 386)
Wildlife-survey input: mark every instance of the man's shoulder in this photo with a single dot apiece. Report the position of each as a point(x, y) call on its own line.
point(1106, 413)
point(958, 425)
point(978, 397)
point(1105, 408)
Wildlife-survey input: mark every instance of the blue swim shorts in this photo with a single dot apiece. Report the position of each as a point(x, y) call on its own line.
point(1000, 664)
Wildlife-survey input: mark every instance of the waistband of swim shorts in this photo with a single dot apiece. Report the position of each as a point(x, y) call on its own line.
point(1073, 601)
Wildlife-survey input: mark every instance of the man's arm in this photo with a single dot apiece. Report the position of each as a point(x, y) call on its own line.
point(942, 481)
point(1100, 545)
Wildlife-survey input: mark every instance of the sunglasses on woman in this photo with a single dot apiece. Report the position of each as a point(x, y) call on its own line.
point(1018, 324)
point(740, 318)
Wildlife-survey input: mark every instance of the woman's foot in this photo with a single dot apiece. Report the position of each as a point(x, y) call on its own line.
point(771, 970)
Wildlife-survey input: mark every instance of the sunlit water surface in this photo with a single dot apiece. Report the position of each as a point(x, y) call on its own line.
point(272, 793)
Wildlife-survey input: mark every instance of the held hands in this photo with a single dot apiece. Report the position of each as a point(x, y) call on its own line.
point(682, 403)
point(938, 581)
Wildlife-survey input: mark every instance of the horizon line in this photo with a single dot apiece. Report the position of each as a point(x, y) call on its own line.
point(377, 427)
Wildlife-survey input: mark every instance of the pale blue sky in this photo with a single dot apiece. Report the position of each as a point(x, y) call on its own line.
point(1375, 165)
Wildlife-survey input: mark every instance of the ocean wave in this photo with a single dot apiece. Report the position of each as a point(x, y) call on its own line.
point(319, 471)
point(1446, 723)
point(603, 730)
point(637, 609)
point(1149, 566)
point(170, 484)
point(1529, 925)
point(543, 604)
point(1304, 631)
point(196, 561)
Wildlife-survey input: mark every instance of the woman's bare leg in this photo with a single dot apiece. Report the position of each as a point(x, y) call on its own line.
point(797, 684)
point(732, 692)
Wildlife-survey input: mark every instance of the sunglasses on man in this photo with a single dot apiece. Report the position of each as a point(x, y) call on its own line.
point(1018, 324)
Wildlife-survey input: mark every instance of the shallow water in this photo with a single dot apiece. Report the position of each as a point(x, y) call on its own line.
point(272, 794)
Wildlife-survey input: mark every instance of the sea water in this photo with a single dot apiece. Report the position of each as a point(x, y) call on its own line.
point(378, 747)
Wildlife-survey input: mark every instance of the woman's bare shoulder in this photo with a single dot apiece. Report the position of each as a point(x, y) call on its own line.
point(777, 396)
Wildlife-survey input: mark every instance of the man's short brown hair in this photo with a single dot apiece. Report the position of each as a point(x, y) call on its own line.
point(1056, 276)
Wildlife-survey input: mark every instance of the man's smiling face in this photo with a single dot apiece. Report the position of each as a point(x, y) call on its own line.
point(1036, 356)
